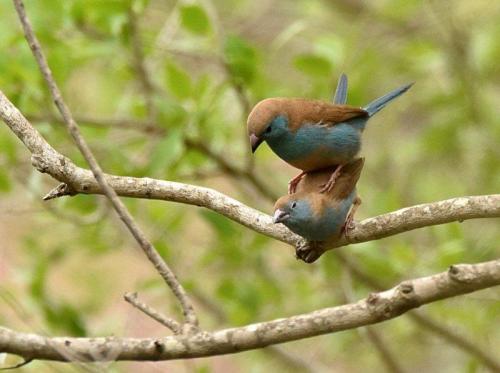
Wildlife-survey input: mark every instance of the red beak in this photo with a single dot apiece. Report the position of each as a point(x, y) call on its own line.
point(255, 142)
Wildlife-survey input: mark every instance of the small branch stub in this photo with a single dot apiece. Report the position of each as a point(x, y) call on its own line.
point(61, 190)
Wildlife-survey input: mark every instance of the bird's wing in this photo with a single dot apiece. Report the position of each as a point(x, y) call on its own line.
point(302, 111)
point(346, 182)
point(335, 114)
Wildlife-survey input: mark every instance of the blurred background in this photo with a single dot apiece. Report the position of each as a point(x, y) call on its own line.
point(162, 89)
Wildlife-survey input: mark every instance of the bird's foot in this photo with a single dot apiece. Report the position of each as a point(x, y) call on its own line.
point(349, 222)
point(348, 226)
point(292, 184)
point(331, 181)
point(309, 251)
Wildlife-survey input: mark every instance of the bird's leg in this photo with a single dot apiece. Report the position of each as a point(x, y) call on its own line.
point(331, 181)
point(292, 184)
point(309, 251)
point(349, 222)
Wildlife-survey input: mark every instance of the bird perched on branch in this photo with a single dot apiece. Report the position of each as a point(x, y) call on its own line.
point(313, 134)
point(319, 216)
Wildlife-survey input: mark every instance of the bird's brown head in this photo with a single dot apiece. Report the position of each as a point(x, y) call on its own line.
point(297, 208)
point(261, 123)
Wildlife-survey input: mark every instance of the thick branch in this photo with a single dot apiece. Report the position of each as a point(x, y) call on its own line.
point(152, 128)
point(47, 159)
point(424, 321)
point(378, 307)
point(100, 179)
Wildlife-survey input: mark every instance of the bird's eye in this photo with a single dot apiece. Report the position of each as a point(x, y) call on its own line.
point(268, 129)
point(294, 204)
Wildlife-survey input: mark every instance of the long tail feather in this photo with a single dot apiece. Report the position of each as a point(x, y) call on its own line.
point(340, 97)
point(378, 104)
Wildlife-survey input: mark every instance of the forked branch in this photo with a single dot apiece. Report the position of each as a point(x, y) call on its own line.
point(377, 307)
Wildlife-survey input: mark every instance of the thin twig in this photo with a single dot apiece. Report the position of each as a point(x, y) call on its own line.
point(17, 366)
point(231, 169)
point(140, 64)
point(173, 325)
point(119, 207)
point(385, 354)
point(451, 336)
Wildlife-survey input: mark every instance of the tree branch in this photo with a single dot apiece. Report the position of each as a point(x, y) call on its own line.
point(152, 128)
point(78, 180)
point(140, 64)
point(98, 174)
point(173, 325)
point(377, 307)
point(425, 321)
point(386, 355)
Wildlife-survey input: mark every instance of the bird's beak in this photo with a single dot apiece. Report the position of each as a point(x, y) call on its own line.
point(255, 142)
point(280, 216)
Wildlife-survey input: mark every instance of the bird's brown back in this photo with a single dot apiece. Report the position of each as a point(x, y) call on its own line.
point(345, 183)
point(299, 111)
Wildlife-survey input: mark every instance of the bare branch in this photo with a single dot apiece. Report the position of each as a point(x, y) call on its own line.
point(46, 159)
point(386, 355)
point(425, 321)
point(292, 361)
point(453, 337)
point(17, 366)
point(98, 174)
point(155, 315)
point(378, 307)
point(140, 64)
point(232, 170)
point(152, 128)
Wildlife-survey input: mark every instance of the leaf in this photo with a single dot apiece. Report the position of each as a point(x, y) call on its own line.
point(166, 152)
point(65, 318)
point(178, 81)
point(195, 19)
point(171, 115)
point(241, 59)
point(313, 65)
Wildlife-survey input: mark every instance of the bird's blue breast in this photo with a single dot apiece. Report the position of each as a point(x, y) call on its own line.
point(313, 143)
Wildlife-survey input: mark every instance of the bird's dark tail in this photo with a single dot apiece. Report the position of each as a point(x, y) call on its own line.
point(378, 104)
point(346, 182)
point(340, 97)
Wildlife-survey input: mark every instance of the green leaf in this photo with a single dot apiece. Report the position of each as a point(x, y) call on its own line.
point(195, 19)
point(171, 114)
point(166, 152)
point(178, 81)
point(313, 65)
point(241, 59)
point(66, 318)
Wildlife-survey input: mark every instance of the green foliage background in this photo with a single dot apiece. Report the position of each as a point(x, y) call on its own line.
point(64, 265)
